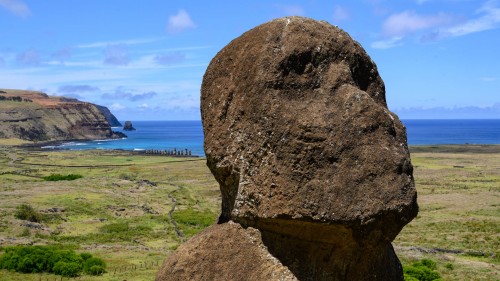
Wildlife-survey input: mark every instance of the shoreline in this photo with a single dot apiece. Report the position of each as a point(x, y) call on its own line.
point(419, 148)
point(48, 146)
point(455, 148)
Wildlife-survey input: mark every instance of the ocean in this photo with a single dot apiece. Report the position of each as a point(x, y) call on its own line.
point(171, 135)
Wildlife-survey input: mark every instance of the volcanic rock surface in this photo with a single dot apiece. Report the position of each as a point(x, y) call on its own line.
point(128, 126)
point(112, 120)
point(299, 137)
point(35, 116)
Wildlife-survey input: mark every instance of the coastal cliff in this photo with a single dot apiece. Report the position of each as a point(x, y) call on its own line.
point(35, 116)
point(112, 120)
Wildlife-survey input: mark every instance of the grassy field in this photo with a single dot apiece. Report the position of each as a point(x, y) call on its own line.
point(119, 210)
point(132, 210)
point(458, 225)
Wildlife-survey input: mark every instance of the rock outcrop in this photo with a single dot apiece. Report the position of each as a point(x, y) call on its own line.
point(112, 120)
point(128, 126)
point(35, 116)
point(299, 137)
point(224, 252)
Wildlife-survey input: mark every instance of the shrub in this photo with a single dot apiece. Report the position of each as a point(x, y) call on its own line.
point(427, 263)
point(410, 278)
point(35, 259)
point(94, 266)
point(70, 269)
point(26, 212)
point(59, 177)
point(424, 270)
point(85, 256)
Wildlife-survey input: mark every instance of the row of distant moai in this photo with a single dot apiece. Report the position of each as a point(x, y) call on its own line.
point(167, 152)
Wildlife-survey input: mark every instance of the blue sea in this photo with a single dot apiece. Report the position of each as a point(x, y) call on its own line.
point(189, 135)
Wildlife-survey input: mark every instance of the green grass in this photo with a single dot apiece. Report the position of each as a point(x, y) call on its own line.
point(458, 224)
point(192, 221)
point(111, 212)
point(59, 177)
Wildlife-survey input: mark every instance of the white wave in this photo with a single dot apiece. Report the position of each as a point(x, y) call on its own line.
point(76, 143)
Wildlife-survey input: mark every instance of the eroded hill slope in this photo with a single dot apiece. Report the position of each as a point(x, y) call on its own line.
point(35, 116)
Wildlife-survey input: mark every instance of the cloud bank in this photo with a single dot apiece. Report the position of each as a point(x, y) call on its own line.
point(430, 28)
point(121, 94)
point(77, 89)
point(408, 22)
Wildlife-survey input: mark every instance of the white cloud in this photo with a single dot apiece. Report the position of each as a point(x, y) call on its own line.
point(489, 19)
point(408, 22)
point(340, 13)
point(438, 26)
point(17, 7)
point(117, 107)
point(179, 22)
point(388, 43)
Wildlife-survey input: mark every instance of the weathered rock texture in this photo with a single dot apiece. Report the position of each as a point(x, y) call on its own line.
point(299, 137)
point(224, 252)
point(128, 126)
point(35, 116)
point(112, 120)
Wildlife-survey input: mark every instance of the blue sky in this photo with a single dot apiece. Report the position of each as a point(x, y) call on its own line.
point(145, 59)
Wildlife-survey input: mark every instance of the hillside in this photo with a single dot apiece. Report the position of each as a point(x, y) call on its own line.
point(35, 116)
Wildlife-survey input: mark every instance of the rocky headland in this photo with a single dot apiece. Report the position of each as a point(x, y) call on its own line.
point(37, 117)
point(112, 120)
point(314, 170)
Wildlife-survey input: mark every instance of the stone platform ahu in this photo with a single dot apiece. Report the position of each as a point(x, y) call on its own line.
point(314, 170)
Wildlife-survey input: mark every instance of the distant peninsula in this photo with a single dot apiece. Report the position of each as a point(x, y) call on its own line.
point(37, 117)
